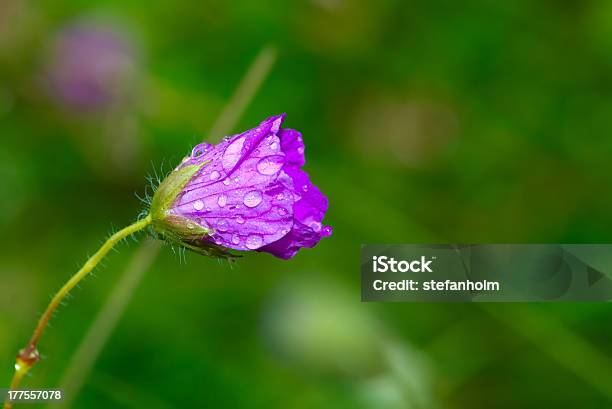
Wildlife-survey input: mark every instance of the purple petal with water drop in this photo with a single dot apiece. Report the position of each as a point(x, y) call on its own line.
point(292, 146)
point(309, 209)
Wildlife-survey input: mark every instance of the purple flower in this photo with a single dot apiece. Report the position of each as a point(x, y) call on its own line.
point(91, 66)
point(246, 193)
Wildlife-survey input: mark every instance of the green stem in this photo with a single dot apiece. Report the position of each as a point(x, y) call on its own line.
point(102, 327)
point(29, 355)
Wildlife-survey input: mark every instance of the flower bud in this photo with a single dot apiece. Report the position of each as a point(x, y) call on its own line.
point(246, 193)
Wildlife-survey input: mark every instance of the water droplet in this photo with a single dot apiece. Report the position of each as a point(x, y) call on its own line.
point(305, 188)
point(232, 153)
point(270, 164)
point(236, 179)
point(200, 150)
point(222, 225)
point(300, 150)
point(198, 205)
point(226, 181)
point(235, 239)
point(208, 209)
point(316, 226)
point(284, 231)
point(280, 196)
point(254, 241)
point(214, 175)
point(222, 200)
point(239, 219)
point(274, 146)
point(282, 211)
point(252, 199)
point(327, 231)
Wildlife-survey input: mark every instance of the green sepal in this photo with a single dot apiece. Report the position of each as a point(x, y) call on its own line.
point(169, 188)
point(177, 229)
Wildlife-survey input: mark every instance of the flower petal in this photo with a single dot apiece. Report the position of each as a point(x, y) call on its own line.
point(292, 146)
point(308, 211)
point(230, 152)
point(237, 194)
point(299, 236)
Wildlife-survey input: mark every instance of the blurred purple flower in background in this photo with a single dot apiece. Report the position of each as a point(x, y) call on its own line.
point(91, 66)
point(93, 72)
point(246, 193)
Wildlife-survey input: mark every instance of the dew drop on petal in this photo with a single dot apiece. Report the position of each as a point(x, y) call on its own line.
point(282, 211)
point(236, 239)
point(274, 146)
point(327, 231)
point(232, 153)
point(222, 225)
point(222, 200)
point(270, 164)
point(200, 150)
point(316, 226)
point(198, 205)
point(305, 188)
point(252, 199)
point(284, 231)
point(300, 150)
point(226, 181)
point(239, 219)
point(214, 175)
point(280, 196)
point(254, 241)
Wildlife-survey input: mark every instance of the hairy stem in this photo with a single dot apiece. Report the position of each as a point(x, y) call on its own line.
point(120, 296)
point(28, 356)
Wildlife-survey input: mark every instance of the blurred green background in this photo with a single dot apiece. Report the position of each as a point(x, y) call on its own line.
point(424, 121)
